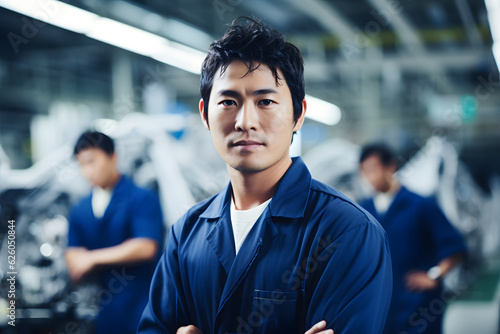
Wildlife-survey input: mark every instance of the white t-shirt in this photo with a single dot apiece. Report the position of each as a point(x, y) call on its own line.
point(382, 201)
point(243, 220)
point(100, 200)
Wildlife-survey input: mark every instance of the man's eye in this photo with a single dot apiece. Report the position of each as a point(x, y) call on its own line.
point(266, 102)
point(228, 103)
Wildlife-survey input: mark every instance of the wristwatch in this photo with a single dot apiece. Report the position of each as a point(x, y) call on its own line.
point(434, 273)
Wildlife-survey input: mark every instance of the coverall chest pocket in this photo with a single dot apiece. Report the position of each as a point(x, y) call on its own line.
point(276, 311)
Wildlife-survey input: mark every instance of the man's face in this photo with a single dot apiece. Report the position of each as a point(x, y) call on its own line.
point(250, 117)
point(376, 173)
point(97, 167)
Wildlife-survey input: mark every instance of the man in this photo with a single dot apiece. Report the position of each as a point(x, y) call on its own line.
point(115, 236)
point(276, 251)
point(424, 245)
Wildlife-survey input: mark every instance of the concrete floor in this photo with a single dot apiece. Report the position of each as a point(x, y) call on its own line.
point(471, 318)
point(478, 314)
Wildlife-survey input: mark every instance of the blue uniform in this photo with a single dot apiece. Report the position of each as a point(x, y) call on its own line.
point(312, 255)
point(132, 213)
point(420, 237)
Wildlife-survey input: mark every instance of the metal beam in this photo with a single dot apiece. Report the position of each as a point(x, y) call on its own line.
point(469, 23)
point(322, 71)
point(424, 62)
point(408, 35)
point(328, 17)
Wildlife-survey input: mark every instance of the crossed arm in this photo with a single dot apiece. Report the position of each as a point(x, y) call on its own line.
point(316, 329)
point(81, 261)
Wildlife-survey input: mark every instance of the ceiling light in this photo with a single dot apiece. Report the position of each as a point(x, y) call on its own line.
point(493, 9)
point(54, 12)
point(109, 31)
point(322, 111)
point(139, 41)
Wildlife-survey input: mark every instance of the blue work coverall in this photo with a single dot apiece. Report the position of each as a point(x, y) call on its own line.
point(132, 212)
point(312, 255)
point(420, 237)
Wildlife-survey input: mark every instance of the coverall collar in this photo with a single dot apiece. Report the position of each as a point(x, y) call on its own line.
point(290, 198)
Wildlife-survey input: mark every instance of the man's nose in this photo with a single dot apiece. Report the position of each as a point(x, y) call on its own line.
point(87, 171)
point(247, 118)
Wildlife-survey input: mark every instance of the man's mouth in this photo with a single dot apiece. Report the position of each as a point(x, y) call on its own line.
point(247, 144)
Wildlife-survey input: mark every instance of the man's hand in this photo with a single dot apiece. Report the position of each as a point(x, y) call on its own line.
point(318, 328)
point(189, 330)
point(80, 262)
point(418, 281)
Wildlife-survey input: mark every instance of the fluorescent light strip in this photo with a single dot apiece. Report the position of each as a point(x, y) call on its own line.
point(124, 36)
point(109, 31)
point(54, 12)
point(322, 111)
point(493, 9)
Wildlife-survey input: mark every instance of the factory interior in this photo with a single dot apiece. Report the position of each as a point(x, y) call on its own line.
point(421, 76)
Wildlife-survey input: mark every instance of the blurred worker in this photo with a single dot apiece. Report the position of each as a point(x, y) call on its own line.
point(424, 245)
point(115, 235)
point(276, 251)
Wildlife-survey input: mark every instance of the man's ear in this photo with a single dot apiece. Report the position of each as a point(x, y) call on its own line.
point(393, 167)
point(113, 159)
point(202, 114)
point(301, 118)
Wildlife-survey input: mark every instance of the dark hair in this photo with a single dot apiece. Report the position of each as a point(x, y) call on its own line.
point(381, 150)
point(255, 44)
point(94, 139)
